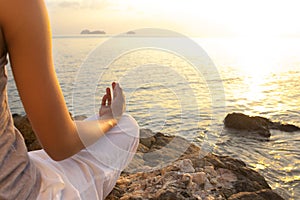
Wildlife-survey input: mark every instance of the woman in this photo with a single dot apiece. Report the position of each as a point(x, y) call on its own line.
point(74, 162)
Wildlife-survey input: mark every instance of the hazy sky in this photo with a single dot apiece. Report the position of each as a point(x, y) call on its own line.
point(201, 18)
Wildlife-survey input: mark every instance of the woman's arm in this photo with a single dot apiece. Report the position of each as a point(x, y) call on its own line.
point(27, 32)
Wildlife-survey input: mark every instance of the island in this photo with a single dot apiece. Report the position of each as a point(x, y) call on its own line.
point(86, 31)
point(130, 32)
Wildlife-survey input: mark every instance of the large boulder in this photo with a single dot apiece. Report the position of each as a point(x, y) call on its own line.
point(256, 124)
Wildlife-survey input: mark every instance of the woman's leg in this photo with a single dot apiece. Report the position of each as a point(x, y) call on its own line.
point(94, 171)
point(117, 147)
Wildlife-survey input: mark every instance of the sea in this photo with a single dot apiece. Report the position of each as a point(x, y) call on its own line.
point(186, 87)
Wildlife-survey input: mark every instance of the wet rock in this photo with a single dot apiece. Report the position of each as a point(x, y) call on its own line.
point(283, 127)
point(147, 137)
point(259, 195)
point(269, 194)
point(256, 125)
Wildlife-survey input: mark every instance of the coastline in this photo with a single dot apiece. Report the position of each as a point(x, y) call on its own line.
point(194, 174)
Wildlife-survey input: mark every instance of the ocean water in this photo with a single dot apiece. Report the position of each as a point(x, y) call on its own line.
point(166, 92)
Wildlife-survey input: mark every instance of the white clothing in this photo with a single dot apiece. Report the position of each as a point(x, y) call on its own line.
point(92, 173)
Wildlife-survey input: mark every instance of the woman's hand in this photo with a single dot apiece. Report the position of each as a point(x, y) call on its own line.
point(112, 108)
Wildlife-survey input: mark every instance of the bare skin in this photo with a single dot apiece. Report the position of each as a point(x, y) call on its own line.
point(26, 29)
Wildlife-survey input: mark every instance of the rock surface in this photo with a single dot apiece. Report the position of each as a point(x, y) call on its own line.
point(256, 125)
point(23, 125)
point(192, 175)
point(262, 194)
point(169, 167)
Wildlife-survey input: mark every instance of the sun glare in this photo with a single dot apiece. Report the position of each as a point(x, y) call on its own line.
point(257, 56)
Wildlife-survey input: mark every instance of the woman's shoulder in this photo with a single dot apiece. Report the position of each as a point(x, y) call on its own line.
point(20, 16)
point(11, 10)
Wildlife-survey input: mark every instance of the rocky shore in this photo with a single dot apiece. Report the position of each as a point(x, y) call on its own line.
point(169, 167)
point(193, 175)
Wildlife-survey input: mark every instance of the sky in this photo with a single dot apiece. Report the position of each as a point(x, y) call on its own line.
point(198, 18)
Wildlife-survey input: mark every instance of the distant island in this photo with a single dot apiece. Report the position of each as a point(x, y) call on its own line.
point(86, 31)
point(130, 32)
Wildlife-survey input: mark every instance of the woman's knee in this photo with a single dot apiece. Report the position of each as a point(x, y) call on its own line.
point(129, 126)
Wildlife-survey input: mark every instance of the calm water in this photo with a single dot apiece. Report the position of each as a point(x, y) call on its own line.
point(166, 93)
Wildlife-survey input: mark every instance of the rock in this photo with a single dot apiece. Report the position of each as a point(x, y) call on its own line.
point(147, 137)
point(208, 186)
point(16, 117)
point(142, 148)
point(185, 166)
point(199, 178)
point(256, 125)
point(269, 194)
point(190, 176)
point(210, 170)
point(168, 194)
point(23, 125)
point(225, 178)
point(79, 117)
point(169, 169)
point(283, 127)
point(162, 140)
point(187, 179)
point(259, 195)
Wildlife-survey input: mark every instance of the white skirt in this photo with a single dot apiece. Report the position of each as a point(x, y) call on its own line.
point(92, 173)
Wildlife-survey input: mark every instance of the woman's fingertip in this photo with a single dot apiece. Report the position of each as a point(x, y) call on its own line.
point(104, 99)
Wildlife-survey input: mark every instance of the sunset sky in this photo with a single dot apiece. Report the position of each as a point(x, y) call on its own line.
point(199, 18)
